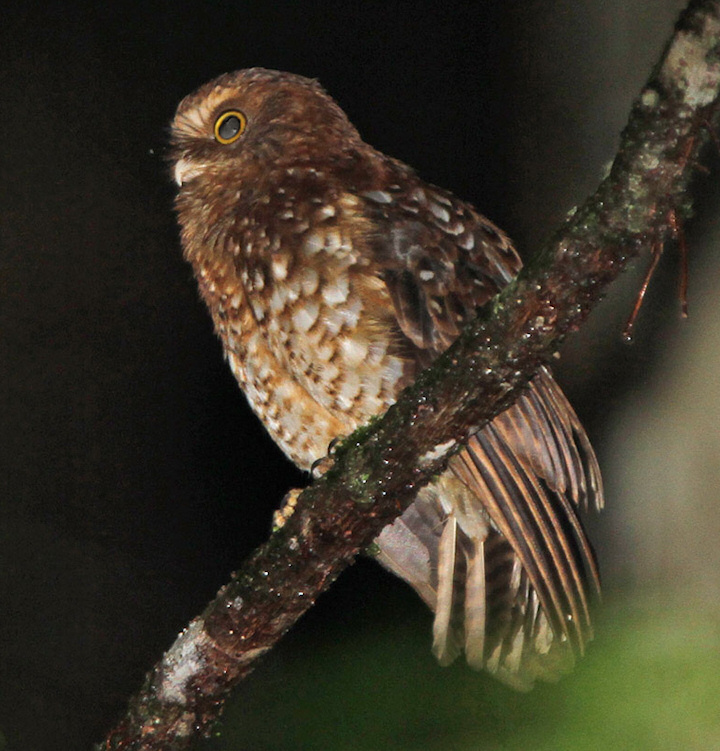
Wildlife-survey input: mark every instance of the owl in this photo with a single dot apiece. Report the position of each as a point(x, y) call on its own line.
point(334, 275)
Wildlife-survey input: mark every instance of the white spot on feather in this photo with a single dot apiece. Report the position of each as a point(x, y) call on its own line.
point(314, 243)
point(325, 352)
point(333, 240)
point(349, 389)
point(278, 299)
point(439, 212)
point(393, 372)
point(309, 280)
point(467, 241)
point(325, 212)
point(455, 228)
point(333, 321)
point(351, 313)
point(305, 316)
point(378, 196)
point(378, 348)
point(231, 341)
point(280, 267)
point(442, 199)
point(354, 350)
point(330, 372)
point(337, 291)
point(348, 201)
point(258, 281)
point(258, 310)
point(236, 367)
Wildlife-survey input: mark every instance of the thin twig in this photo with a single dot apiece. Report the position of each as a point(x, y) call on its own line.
point(655, 254)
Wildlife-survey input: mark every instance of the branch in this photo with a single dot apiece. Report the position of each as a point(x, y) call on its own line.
point(380, 468)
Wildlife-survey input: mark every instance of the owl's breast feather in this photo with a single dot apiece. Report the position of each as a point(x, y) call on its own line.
point(305, 323)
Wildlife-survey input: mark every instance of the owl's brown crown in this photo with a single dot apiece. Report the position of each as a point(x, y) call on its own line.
point(287, 118)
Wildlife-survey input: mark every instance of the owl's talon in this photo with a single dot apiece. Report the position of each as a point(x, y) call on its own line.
point(321, 466)
point(334, 444)
point(286, 510)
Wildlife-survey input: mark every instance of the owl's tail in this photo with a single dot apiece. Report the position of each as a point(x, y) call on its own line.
point(495, 546)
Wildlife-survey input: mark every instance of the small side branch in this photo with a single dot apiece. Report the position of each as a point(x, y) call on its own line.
point(379, 469)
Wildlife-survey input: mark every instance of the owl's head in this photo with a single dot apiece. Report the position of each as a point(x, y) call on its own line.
point(255, 119)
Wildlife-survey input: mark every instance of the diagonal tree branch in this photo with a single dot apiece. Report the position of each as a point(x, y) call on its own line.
point(378, 470)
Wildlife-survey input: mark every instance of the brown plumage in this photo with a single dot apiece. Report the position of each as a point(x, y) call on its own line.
point(334, 275)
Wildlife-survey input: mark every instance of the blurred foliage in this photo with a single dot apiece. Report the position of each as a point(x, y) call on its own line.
point(649, 681)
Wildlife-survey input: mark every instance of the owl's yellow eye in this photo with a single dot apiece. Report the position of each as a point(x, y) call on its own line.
point(229, 126)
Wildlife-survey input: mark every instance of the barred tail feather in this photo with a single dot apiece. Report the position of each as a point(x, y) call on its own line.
point(496, 548)
point(446, 646)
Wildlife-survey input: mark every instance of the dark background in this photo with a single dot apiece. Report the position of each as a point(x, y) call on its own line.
point(133, 477)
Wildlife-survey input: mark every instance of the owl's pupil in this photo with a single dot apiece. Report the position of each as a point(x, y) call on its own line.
point(229, 127)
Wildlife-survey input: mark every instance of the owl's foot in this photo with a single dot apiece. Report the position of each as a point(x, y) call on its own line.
point(322, 465)
point(287, 509)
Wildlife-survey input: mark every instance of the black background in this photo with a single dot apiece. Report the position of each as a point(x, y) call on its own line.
point(133, 476)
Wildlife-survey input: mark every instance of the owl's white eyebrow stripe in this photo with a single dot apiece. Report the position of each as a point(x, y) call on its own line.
point(191, 123)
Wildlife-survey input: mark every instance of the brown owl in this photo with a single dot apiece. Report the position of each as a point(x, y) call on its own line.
point(333, 275)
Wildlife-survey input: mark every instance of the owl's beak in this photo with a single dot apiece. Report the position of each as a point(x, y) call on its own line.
point(185, 170)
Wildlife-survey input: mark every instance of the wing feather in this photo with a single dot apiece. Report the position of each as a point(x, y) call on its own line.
point(512, 573)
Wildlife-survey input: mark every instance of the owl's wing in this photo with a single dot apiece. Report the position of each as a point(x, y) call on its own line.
point(514, 592)
point(440, 260)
